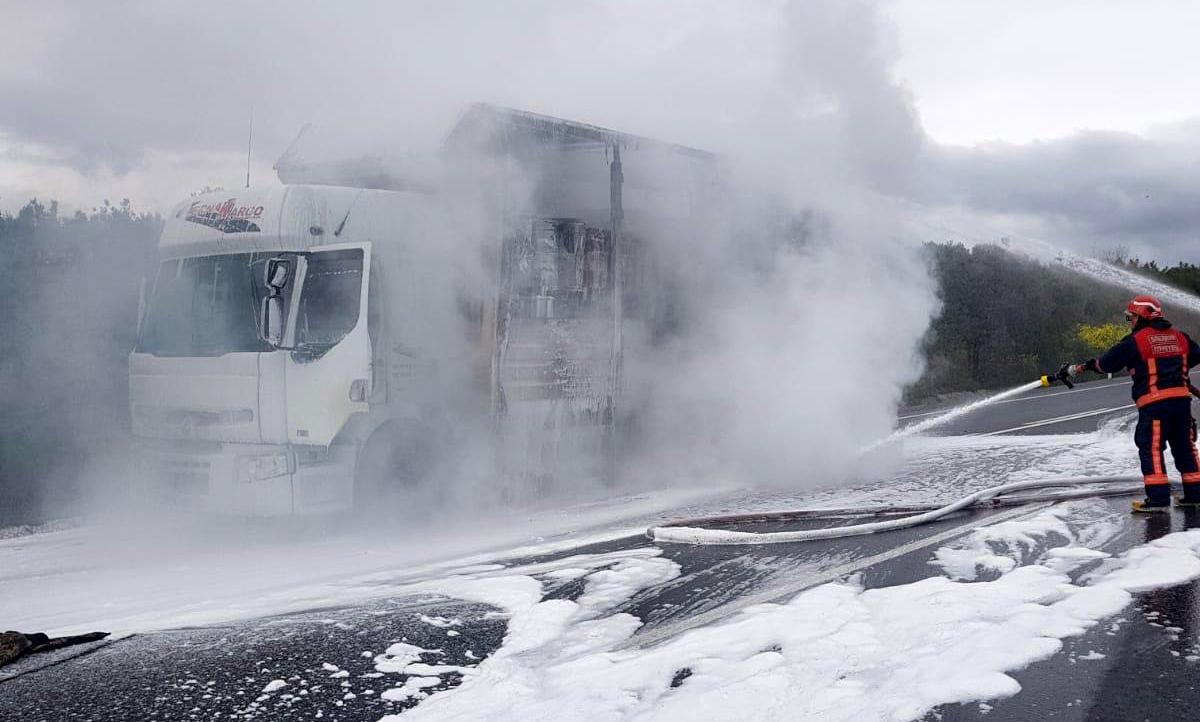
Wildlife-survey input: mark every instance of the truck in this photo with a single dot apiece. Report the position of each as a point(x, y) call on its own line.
point(346, 338)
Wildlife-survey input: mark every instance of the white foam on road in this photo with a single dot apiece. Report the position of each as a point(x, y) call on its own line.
point(77, 580)
point(836, 652)
point(274, 686)
point(124, 582)
point(546, 628)
point(1081, 527)
point(940, 469)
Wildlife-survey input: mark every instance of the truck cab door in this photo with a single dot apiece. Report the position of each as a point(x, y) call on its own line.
point(376, 328)
point(329, 367)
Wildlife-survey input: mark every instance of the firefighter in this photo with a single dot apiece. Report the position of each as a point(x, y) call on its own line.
point(1158, 357)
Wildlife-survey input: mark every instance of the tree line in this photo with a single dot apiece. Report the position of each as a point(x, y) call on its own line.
point(70, 285)
point(1185, 276)
point(1007, 319)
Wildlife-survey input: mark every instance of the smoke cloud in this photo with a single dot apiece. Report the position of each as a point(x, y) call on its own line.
point(796, 309)
point(796, 301)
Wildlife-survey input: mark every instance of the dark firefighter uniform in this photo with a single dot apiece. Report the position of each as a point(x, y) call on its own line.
point(1159, 357)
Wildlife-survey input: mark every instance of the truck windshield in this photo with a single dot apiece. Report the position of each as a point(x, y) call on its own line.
point(209, 305)
point(205, 306)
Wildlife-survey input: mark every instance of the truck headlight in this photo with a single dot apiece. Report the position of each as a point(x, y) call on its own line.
point(263, 466)
point(309, 455)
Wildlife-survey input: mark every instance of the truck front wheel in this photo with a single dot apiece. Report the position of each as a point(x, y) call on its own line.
point(393, 473)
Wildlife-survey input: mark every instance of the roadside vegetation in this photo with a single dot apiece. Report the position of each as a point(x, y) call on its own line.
point(1007, 319)
point(70, 288)
point(70, 285)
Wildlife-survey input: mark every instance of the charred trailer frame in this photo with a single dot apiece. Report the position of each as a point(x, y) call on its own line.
point(276, 428)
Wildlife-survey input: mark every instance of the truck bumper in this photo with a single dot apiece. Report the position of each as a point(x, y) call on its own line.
point(246, 479)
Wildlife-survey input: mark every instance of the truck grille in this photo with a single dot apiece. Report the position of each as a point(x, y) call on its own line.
point(177, 479)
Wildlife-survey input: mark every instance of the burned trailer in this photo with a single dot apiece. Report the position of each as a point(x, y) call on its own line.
point(368, 344)
point(573, 211)
point(582, 282)
point(582, 265)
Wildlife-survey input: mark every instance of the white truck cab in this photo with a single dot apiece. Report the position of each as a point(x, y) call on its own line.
point(291, 334)
point(238, 416)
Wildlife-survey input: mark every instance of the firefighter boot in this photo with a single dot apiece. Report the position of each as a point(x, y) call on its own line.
point(1158, 499)
point(1188, 500)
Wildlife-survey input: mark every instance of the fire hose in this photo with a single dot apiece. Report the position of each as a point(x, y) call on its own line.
point(696, 531)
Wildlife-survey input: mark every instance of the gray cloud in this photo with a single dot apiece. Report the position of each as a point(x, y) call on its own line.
point(1093, 190)
point(111, 82)
point(103, 85)
point(800, 93)
point(159, 95)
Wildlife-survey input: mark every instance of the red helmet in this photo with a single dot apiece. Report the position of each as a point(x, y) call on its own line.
point(1146, 307)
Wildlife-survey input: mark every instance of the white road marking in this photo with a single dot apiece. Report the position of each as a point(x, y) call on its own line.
point(1032, 397)
point(1057, 420)
point(927, 413)
point(1078, 389)
point(781, 593)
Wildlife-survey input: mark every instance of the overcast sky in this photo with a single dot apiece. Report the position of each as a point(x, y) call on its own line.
point(1071, 119)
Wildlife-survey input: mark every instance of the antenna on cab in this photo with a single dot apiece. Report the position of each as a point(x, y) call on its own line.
point(249, 142)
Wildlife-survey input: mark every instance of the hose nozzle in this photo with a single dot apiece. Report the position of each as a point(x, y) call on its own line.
point(1063, 376)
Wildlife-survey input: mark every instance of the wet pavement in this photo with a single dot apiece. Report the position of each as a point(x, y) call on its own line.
point(1053, 410)
point(1143, 664)
point(326, 664)
point(226, 672)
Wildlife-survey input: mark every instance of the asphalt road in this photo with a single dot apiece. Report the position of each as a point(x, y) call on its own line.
point(1131, 668)
point(1054, 410)
point(222, 672)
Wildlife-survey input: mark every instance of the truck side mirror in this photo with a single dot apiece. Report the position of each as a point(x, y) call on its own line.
point(279, 270)
point(271, 319)
point(275, 277)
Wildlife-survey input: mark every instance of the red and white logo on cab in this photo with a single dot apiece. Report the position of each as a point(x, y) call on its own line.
point(226, 216)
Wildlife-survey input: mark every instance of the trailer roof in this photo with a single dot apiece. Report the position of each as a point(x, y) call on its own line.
point(511, 129)
point(481, 128)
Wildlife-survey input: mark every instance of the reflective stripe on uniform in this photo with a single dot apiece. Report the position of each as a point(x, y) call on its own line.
point(1156, 450)
point(1178, 392)
point(1192, 438)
